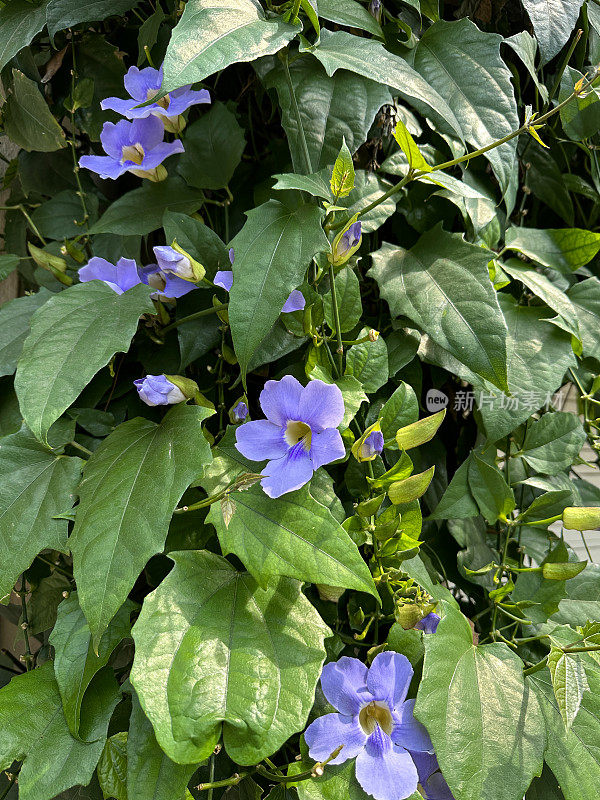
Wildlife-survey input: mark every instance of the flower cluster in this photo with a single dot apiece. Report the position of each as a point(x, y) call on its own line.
point(138, 146)
point(224, 279)
point(376, 727)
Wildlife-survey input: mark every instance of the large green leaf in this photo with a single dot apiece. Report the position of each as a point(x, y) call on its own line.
point(213, 149)
point(585, 296)
point(36, 485)
point(573, 755)
point(75, 662)
point(463, 63)
point(569, 681)
point(563, 249)
point(442, 284)
point(366, 57)
point(351, 14)
point(332, 109)
point(581, 601)
point(63, 14)
point(482, 718)
point(553, 442)
point(129, 490)
point(368, 363)
point(19, 23)
point(492, 494)
point(14, 327)
point(212, 34)
point(141, 210)
point(27, 119)
point(347, 295)
point(73, 335)
point(553, 21)
point(151, 775)
point(214, 648)
point(34, 729)
point(293, 535)
point(272, 252)
point(61, 217)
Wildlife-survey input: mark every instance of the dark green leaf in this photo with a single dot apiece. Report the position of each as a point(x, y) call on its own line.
point(27, 119)
point(442, 271)
point(61, 217)
point(8, 264)
point(66, 13)
point(196, 238)
point(112, 767)
point(213, 648)
point(15, 317)
point(272, 252)
point(351, 14)
point(347, 290)
point(19, 23)
point(36, 485)
point(585, 295)
point(563, 249)
point(491, 492)
point(73, 335)
point(368, 363)
point(213, 149)
point(148, 33)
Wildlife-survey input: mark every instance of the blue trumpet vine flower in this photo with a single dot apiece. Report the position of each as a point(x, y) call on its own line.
point(120, 276)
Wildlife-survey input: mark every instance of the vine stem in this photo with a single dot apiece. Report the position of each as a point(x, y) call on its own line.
point(205, 313)
point(80, 192)
point(336, 318)
point(25, 624)
point(416, 174)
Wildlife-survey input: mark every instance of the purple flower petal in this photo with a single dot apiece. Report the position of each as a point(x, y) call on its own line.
point(105, 166)
point(436, 788)
point(181, 99)
point(127, 273)
point(260, 439)
point(124, 107)
point(327, 733)
point(409, 732)
point(224, 279)
point(385, 772)
point(114, 137)
point(280, 400)
point(429, 623)
point(119, 277)
point(372, 445)
point(426, 764)
point(240, 412)
point(148, 132)
point(321, 405)
point(138, 82)
point(157, 390)
point(155, 156)
point(344, 684)
point(389, 678)
point(295, 302)
point(231, 255)
point(176, 287)
point(326, 447)
point(288, 473)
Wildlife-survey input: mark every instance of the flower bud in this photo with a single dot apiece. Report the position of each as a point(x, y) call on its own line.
point(582, 518)
point(330, 594)
point(175, 260)
point(239, 412)
point(155, 175)
point(173, 124)
point(54, 264)
point(345, 244)
point(369, 445)
point(163, 390)
point(373, 335)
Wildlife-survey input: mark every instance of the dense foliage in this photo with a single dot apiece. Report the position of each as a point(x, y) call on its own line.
point(284, 462)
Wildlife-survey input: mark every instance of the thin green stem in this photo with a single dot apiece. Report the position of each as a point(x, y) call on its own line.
point(25, 624)
point(80, 447)
point(80, 192)
point(336, 318)
point(563, 65)
point(296, 110)
point(208, 501)
point(295, 11)
point(238, 777)
point(205, 313)
point(536, 667)
point(54, 566)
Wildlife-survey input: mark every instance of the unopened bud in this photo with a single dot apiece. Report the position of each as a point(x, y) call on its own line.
point(373, 335)
point(582, 518)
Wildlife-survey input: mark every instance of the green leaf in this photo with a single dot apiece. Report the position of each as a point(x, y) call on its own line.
point(442, 271)
point(492, 494)
point(316, 184)
point(580, 118)
point(61, 217)
point(563, 249)
point(538, 356)
point(409, 148)
point(545, 787)
point(367, 188)
point(27, 119)
point(342, 177)
point(141, 211)
point(581, 601)
point(457, 501)
point(112, 767)
point(547, 291)
point(553, 442)
point(481, 716)
point(101, 62)
point(462, 62)
point(73, 335)
point(368, 363)
point(293, 535)
point(585, 296)
point(411, 488)
point(34, 729)
point(75, 662)
point(525, 46)
point(547, 182)
point(8, 264)
point(151, 775)
point(331, 108)
point(347, 290)
point(335, 783)
point(212, 34)
point(37, 484)
point(196, 238)
point(148, 33)
point(420, 431)
point(20, 21)
point(400, 409)
point(366, 57)
point(67, 13)
point(351, 14)
point(213, 648)
point(130, 487)
point(272, 252)
point(573, 755)
point(563, 571)
point(15, 317)
point(213, 149)
point(553, 21)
